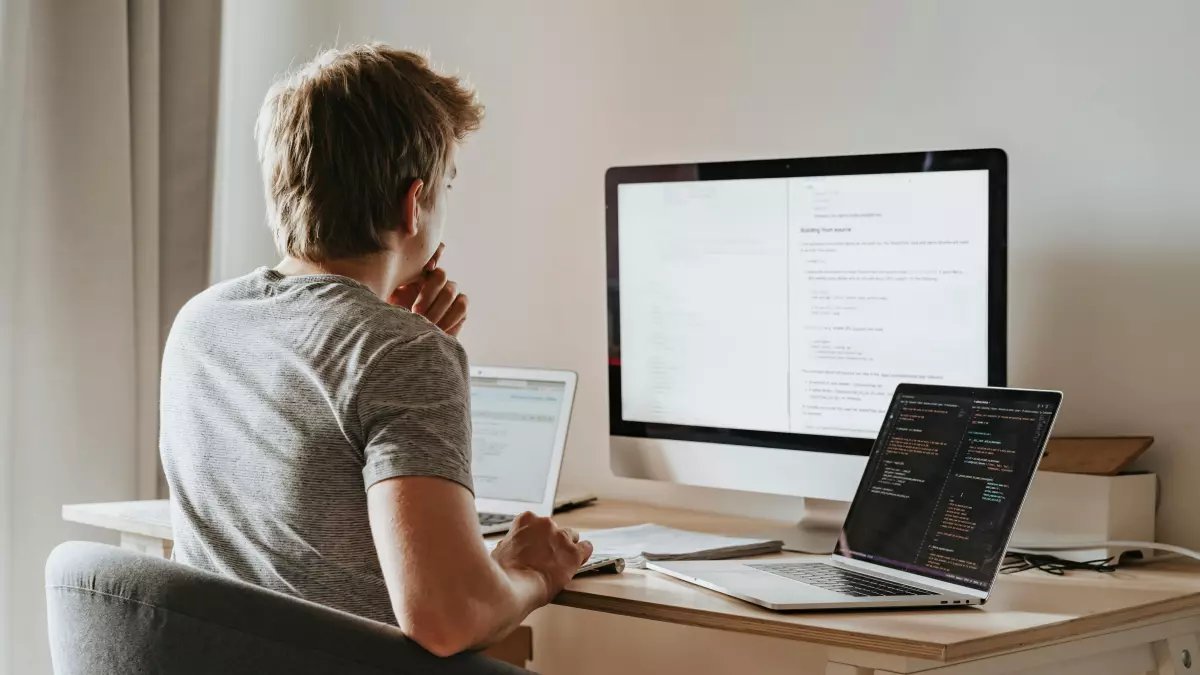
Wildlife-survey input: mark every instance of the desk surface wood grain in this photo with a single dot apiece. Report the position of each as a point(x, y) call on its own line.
point(1027, 609)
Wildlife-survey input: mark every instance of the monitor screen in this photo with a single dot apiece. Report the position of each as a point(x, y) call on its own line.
point(514, 427)
point(774, 301)
point(946, 480)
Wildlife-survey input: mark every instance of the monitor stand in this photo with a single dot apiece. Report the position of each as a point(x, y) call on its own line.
point(818, 529)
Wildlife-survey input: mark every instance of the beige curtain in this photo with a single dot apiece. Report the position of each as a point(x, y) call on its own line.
point(106, 143)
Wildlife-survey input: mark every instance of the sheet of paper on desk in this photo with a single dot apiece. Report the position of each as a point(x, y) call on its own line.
point(639, 543)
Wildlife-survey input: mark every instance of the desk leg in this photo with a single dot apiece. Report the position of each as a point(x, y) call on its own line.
point(515, 649)
point(1179, 655)
point(154, 546)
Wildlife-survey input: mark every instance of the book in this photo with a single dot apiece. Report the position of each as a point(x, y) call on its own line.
point(639, 543)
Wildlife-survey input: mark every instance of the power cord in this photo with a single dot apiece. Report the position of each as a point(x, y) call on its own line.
point(1019, 562)
point(1043, 549)
point(1022, 557)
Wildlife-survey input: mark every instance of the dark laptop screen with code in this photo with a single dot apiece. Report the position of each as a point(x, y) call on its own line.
point(946, 479)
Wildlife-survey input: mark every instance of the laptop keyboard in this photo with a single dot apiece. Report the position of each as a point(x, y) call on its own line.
point(495, 518)
point(839, 580)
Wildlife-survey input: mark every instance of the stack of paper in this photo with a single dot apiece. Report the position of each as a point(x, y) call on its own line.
point(639, 543)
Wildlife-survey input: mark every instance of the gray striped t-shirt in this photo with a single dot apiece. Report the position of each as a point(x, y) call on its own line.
point(283, 399)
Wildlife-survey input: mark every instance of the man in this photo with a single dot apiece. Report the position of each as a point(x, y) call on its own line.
point(315, 416)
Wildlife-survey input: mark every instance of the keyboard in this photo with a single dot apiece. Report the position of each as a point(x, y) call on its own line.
point(840, 580)
point(488, 519)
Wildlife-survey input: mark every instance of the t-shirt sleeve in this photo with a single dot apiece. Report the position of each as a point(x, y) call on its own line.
point(414, 405)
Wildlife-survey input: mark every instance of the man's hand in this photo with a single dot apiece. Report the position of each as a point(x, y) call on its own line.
point(434, 296)
point(536, 544)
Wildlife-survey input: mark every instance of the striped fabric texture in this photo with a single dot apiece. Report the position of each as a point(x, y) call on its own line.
point(283, 399)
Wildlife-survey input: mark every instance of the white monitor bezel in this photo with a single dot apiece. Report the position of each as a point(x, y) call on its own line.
point(569, 379)
point(810, 466)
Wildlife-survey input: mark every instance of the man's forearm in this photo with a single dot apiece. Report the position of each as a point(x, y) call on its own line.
point(527, 590)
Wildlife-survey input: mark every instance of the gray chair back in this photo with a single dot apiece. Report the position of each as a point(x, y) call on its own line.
point(113, 611)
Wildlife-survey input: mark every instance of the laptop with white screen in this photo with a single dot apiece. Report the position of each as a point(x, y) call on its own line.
point(519, 420)
point(933, 514)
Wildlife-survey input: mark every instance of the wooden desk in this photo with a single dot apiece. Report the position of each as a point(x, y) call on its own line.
point(1144, 620)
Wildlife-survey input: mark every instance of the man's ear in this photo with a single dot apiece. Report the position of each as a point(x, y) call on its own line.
point(412, 208)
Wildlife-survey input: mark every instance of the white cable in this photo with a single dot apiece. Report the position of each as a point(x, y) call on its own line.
point(1033, 548)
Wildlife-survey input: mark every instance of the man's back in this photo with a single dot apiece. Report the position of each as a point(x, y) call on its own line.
point(316, 432)
point(283, 399)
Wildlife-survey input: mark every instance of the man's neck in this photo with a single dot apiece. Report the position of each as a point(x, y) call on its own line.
point(374, 272)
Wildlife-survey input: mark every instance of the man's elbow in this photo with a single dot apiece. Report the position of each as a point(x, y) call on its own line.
point(437, 633)
point(440, 642)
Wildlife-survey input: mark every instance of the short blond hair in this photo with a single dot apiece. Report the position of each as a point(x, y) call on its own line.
point(341, 141)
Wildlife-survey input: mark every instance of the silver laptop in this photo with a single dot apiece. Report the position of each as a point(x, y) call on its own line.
point(519, 420)
point(933, 514)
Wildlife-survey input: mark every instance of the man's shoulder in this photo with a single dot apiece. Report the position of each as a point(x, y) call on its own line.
point(405, 339)
point(368, 330)
point(320, 312)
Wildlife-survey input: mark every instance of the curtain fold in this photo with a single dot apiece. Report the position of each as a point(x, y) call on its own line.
point(14, 22)
point(144, 57)
point(99, 246)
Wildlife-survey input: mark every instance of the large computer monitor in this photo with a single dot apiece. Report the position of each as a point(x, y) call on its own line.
point(761, 313)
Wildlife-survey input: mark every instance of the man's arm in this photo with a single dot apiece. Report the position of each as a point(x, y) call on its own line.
point(448, 593)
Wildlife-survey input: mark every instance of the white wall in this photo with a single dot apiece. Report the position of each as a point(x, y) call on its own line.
point(1094, 101)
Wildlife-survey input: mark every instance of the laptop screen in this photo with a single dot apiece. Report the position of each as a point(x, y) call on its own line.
point(946, 479)
point(514, 427)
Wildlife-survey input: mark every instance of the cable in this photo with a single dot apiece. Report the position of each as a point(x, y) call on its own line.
point(1036, 549)
point(1019, 562)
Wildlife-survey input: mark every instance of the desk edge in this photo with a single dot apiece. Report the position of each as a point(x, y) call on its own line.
point(950, 652)
point(748, 625)
point(80, 513)
point(1098, 623)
